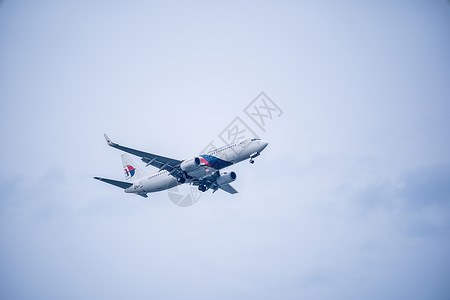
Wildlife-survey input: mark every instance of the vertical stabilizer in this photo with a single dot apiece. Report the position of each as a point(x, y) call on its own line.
point(131, 169)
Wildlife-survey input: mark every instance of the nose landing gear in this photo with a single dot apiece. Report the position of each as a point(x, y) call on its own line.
point(253, 155)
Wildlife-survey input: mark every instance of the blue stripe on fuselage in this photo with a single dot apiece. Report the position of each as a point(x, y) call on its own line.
point(215, 162)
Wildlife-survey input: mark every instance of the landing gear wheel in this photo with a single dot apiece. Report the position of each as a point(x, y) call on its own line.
point(181, 180)
point(252, 161)
point(202, 188)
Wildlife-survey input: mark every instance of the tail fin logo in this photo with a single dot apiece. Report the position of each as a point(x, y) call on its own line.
point(129, 171)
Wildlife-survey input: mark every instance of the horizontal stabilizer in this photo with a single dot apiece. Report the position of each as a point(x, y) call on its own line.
point(118, 183)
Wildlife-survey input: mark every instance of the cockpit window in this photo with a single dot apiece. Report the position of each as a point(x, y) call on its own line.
point(255, 140)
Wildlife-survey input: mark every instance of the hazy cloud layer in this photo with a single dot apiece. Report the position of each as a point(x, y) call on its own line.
point(349, 201)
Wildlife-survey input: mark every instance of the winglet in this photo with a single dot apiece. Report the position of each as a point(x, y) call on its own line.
point(107, 139)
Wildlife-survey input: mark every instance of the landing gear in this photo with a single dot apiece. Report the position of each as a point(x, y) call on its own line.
point(181, 180)
point(252, 156)
point(202, 188)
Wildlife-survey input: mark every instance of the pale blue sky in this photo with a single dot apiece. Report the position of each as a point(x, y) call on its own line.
point(349, 201)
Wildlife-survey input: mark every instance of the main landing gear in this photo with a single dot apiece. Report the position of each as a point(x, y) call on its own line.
point(202, 188)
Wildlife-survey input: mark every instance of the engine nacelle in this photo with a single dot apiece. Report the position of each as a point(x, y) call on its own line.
point(226, 177)
point(190, 164)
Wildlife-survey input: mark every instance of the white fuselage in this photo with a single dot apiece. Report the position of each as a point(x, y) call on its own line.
point(210, 162)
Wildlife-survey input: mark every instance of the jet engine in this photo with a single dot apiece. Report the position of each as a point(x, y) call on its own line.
point(226, 177)
point(190, 164)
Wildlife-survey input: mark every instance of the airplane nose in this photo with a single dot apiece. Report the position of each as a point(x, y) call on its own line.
point(264, 145)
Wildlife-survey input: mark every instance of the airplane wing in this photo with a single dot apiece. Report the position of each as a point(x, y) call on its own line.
point(120, 184)
point(160, 162)
point(228, 188)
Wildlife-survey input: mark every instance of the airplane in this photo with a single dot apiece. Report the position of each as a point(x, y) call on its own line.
point(203, 170)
